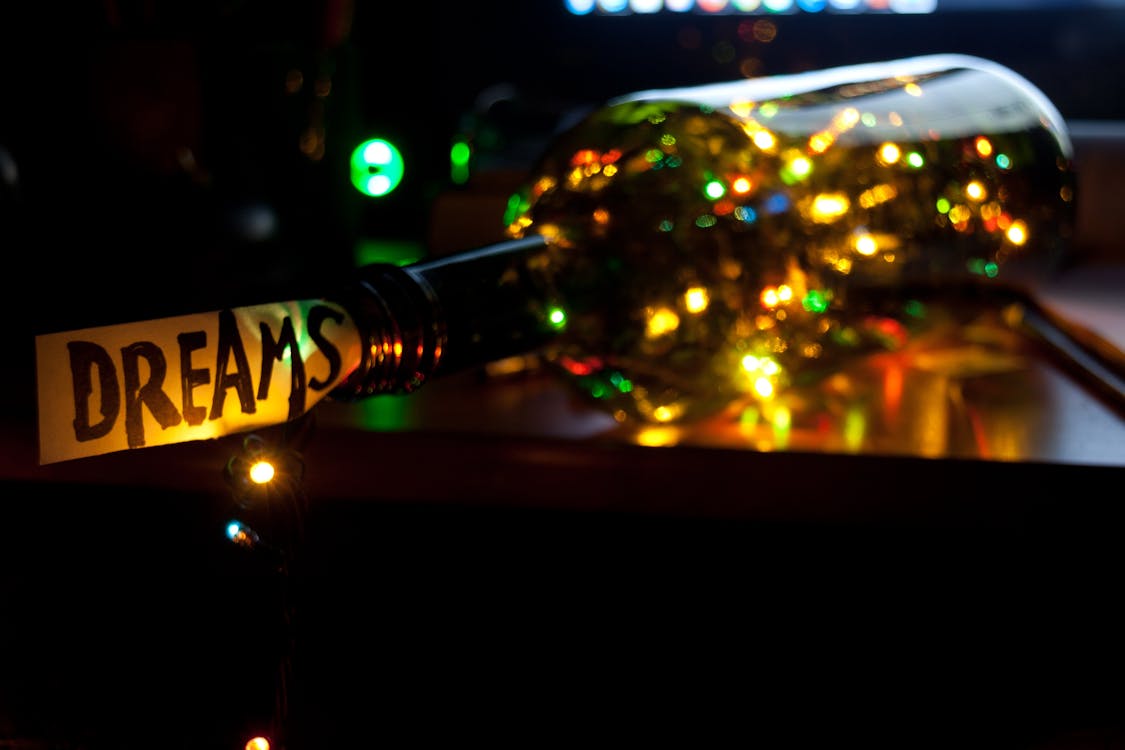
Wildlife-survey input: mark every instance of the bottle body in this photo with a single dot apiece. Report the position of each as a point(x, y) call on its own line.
point(722, 242)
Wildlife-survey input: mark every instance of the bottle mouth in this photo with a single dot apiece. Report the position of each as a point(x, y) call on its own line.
point(444, 315)
point(402, 332)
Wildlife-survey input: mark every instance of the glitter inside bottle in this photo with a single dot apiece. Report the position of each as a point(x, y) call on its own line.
point(721, 243)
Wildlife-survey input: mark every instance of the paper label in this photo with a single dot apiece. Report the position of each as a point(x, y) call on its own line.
point(191, 377)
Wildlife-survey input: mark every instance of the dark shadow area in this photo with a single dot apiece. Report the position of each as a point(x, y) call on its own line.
point(128, 617)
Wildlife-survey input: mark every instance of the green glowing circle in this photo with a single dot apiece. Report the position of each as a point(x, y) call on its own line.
point(377, 167)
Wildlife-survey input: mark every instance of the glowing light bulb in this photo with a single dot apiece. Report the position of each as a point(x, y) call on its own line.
point(889, 153)
point(865, 244)
point(376, 167)
point(696, 300)
point(261, 472)
point(460, 154)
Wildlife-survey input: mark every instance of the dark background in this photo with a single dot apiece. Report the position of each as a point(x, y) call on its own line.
point(152, 164)
point(154, 154)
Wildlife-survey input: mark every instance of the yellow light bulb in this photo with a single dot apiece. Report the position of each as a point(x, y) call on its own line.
point(262, 472)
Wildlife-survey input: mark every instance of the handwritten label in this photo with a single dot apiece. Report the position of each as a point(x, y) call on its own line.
point(190, 377)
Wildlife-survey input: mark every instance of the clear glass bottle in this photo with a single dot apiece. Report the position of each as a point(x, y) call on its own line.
point(720, 243)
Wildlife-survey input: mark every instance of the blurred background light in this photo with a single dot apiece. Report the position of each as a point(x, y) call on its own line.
point(377, 167)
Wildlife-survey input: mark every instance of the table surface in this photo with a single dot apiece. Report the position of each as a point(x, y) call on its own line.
point(944, 422)
point(991, 395)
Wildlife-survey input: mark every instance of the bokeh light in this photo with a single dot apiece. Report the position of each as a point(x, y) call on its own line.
point(376, 167)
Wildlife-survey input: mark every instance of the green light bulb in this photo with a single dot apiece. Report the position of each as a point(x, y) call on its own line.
point(459, 157)
point(377, 167)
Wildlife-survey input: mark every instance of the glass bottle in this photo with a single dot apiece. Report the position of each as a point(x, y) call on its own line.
point(440, 316)
point(723, 242)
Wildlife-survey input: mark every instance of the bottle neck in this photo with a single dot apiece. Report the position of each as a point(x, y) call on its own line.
point(423, 320)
